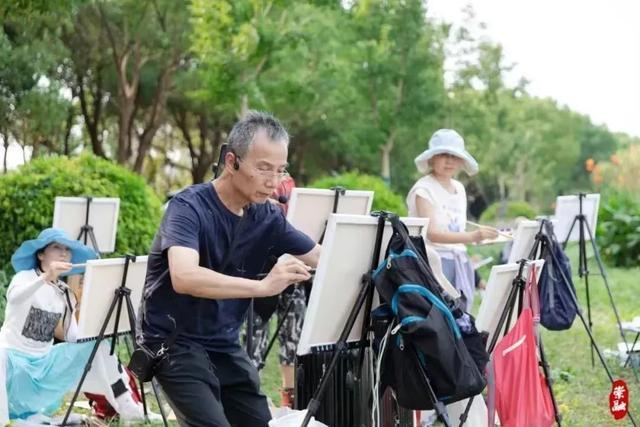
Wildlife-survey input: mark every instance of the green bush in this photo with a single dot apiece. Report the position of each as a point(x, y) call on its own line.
point(513, 210)
point(383, 198)
point(619, 229)
point(27, 200)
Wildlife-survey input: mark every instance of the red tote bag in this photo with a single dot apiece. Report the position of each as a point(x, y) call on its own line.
point(517, 387)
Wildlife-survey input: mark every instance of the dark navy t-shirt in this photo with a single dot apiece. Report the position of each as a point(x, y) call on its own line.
point(197, 219)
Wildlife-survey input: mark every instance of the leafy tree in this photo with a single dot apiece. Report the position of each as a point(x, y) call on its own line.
point(147, 43)
point(398, 76)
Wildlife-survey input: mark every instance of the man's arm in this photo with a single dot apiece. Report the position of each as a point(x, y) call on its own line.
point(189, 278)
point(312, 257)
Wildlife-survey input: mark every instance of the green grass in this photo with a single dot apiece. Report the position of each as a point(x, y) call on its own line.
point(583, 394)
point(270, 377)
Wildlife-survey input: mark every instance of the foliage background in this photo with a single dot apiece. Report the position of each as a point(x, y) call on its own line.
point(27, 201)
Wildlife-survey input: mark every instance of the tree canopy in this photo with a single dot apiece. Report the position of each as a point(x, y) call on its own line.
point(155, 85)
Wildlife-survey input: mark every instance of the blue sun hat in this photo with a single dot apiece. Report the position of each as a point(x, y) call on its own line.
point(446, 141)
point(25, 257)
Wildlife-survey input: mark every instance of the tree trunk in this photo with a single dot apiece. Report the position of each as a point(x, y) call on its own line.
point(5, 140)
point(67, 131)
point(92, 118)
point(127, 86)
point(244, 106)
point(520, 178)
point(157, 112)
point(386, 159)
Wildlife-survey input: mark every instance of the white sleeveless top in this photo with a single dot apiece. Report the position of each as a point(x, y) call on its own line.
point(450, 208)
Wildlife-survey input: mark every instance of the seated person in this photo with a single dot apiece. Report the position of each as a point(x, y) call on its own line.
point(289, 334)
point(36, 373)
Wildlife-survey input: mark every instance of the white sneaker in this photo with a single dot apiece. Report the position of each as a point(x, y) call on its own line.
point(128, 409)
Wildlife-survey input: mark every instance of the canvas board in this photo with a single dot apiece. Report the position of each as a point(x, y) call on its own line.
point(69, 214)
point(496, 295)
point(346, 255)
point(309, 208)
point(102, 278)
point(524, 238)
point(567, 208)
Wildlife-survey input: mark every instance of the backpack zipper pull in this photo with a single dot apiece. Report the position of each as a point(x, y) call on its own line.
point(396, 329)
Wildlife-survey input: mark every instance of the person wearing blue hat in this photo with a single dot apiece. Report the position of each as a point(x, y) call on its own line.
point(36, 373)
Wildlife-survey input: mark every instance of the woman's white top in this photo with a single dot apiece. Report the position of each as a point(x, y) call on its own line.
point(34, 308)
point(450, 209)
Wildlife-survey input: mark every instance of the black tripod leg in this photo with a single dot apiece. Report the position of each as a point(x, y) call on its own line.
point(439, 407)
point(341, 345)
point(94, 242)
point(87, 367)
point(631, 350)
point(132, 325)
point(586, 284)
point(583, 271)
point(573, 223)
point(114, 339)
point(548, 380)
point(605, 278)
point(272, 341)
point(250, 320)
point(503, 322)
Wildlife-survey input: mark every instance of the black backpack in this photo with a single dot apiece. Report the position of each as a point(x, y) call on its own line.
point(557, 308)
point(425, 343)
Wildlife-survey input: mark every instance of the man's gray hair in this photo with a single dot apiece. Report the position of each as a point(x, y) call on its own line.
point(244, 131)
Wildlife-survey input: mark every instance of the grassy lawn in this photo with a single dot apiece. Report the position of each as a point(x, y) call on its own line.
point(583, 391)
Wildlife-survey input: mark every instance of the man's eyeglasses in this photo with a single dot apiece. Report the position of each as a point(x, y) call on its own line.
point(266, 171)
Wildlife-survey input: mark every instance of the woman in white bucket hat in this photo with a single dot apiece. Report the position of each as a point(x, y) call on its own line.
point(443, 199)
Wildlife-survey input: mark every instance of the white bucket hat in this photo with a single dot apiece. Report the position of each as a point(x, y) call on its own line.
point(446, 141)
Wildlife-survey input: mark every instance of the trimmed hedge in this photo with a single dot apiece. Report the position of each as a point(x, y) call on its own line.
point(513, 210)
point(27, 201)
point(383, 198)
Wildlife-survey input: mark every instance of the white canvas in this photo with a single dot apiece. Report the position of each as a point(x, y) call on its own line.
point(309, 208)
point(346, 256)
point(69, 214)
point(101, 279)
point(567, 208)
point(524, 238)
point(496, 294)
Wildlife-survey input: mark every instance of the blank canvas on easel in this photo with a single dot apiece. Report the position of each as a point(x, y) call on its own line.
point(567, 208)
point(497, 292)
point(346, 255)
point(69, 214)
point(101, 279)
point(309, 208)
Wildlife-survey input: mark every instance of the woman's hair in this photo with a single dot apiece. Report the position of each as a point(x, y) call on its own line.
point(38, 252)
